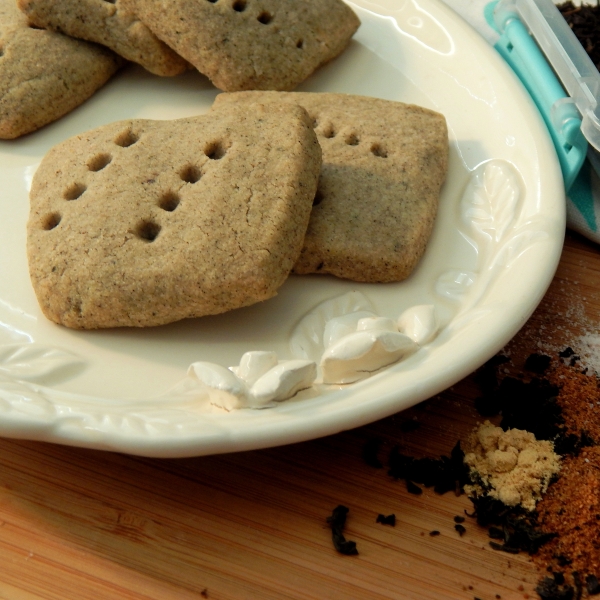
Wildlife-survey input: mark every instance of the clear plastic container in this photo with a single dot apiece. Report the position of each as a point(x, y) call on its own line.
point(560, 76)
point(569, 60)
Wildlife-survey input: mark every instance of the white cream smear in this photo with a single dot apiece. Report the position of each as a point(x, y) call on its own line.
point(340, 342)
point(259, 381)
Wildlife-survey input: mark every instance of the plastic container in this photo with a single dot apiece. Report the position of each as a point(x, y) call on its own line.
point(539, 45)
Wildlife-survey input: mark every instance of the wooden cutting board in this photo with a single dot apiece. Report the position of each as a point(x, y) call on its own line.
point(81, 524)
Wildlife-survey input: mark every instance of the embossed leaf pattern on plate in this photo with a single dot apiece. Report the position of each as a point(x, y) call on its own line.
point(34, 362)
point(491, 219)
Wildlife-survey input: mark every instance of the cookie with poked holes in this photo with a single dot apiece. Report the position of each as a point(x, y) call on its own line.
point(141, 222)
point(384, 163)
point(112, 24)
point(252, 44)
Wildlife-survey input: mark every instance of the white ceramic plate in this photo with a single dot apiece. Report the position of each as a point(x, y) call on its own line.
point(494, 250)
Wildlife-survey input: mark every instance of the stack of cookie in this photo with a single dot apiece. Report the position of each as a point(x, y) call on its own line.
point(53, 55)
point(142, 223)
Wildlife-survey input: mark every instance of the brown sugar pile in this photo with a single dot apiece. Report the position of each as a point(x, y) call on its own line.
point(511, 466)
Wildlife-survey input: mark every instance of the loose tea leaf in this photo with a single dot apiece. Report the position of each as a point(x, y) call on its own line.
point(337, 520)
point(386, 519)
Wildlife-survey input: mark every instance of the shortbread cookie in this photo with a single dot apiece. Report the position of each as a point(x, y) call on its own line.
point(143, 222)
point(252, 44)
point(383, 166)
point(112, 24)
point(43, 74)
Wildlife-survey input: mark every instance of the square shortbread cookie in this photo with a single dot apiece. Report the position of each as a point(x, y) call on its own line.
point(44, 74)
point(252, 44)
point(112, 24)
point(384, 163)
point(142, 222)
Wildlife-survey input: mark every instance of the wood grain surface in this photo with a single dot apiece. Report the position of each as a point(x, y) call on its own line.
point(79, 524)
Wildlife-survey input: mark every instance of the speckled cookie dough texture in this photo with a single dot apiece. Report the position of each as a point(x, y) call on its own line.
point(43, 74)
point(112, 24)
point(384, 163)
point(252, 44)
point(141, 222)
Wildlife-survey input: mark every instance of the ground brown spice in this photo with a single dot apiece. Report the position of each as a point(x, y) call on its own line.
point(579, 399)
point(571, 509)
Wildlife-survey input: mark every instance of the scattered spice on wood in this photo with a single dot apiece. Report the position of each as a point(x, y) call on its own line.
point(386, 519)
point(557, 399)
point(563, 532)
point(337, 521)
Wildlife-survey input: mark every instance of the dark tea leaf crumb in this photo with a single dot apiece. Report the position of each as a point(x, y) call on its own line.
point(444, 474)
point(549, 589)
point(411, 488)
point(537, 363)
point(337, 520)
point(567, 352)
point(408, 426)
point(461, 529)
point(370, 453)
point(386, 519)
point(593, 585)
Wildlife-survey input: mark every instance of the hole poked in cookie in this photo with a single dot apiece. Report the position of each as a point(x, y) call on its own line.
point(239, 5)
point(126, 138)
point(329, 131)
point(74, 191)
point(51, 221)
point(98, 162)
point(379, 150)
point(265, 17)
point(215, 150)
point(352, 139)
point(190, 174)
point(300, 44)
point(147, 230)
point(169, 201)
point(318, 198)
